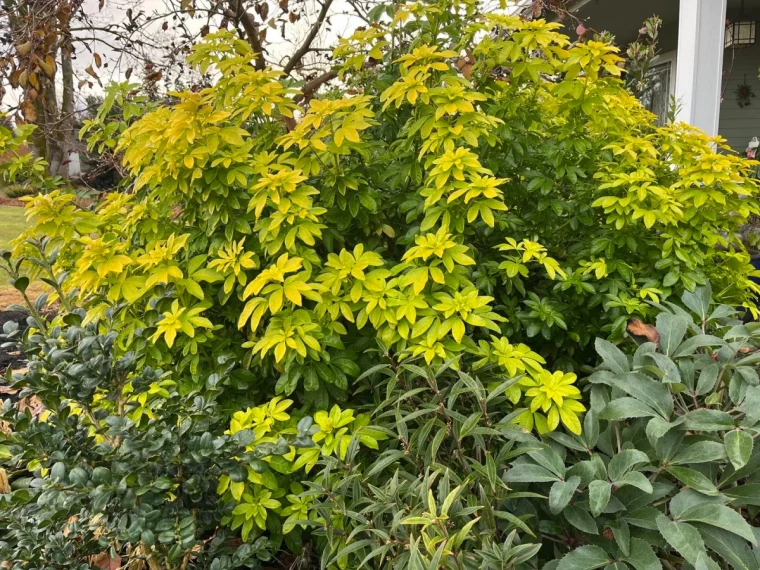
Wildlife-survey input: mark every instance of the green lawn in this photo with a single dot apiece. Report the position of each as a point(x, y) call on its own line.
point(12, 223)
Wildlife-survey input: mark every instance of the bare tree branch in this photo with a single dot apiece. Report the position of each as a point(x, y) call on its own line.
point(308, 90)
point(238, 14)
point(301, 51)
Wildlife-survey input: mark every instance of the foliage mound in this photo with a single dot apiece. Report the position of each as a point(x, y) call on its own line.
point(348, 330)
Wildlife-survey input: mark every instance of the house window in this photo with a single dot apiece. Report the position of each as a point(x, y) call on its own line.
point(656, 96)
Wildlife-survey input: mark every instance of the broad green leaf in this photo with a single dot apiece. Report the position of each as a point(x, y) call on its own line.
point(729, 546)
point(665, 367)
point(699, 300)
point(612, 356)
point(625, 461)
point(598, 496)
point(549, 459)
point(704, 562)
point(683, 537)
point(743, 495)
point(688, 498)
point(529, 473)
point(739, 446)
point(693, 479)
point(672, 328)
point(561, 493)
point(622, 534)
point(658, 427)
point(708, 420)
point(690, 345)
point(700, 452)
point(625, 408)
point(635, 479)
point(721, 517)
point(580, 519)
point(584, 558)
point(707, 379)
point(645, 517)
point(642, 556)
point(654, 394)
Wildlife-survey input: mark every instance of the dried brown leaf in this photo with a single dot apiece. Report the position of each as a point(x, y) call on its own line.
point(638, 328)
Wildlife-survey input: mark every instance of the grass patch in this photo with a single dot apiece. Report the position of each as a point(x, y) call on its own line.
point(12, 223)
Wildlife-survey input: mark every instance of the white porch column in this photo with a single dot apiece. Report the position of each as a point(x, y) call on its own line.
point(699, 63)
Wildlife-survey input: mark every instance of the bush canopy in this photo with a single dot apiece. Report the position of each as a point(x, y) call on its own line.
point(348, 330)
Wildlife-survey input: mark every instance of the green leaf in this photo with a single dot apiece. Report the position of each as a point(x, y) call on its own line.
point(699, 300)
point(751, 405)
point(353, 547)
point(672, 328)
point(469, 424)
point(625, 461)
point(744, 495)
point(550, 459)
point(625, 408)
point(708, 420)
point(645, 517)
point(690, 345)
point(515, 520)
point(529, 473)
point(739, 446)
point(384, 461)
point(654, 394)
point(704, 562)
point(729, 546)
point(580, 519)
point(720, 516)
point(561, 493)
point(21, 283)
point(700, 452)
point(665, 367)
point(599, 495)
point(612, 356)
point(683, 537)
point(58, 472)
point(584, 558)
point(642, 556)
point(693, 479)
point(707, 379)
point(635, 479)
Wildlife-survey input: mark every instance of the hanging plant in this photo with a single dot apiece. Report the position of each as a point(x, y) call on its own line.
point(744, 94)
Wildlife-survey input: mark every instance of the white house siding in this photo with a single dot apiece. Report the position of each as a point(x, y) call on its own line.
point(739, 125)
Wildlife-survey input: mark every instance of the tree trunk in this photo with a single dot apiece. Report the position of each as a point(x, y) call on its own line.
point(66, 121)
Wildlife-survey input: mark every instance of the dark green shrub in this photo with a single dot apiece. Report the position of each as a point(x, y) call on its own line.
point(138, 482)
point(18, 190)
point(665, 474)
